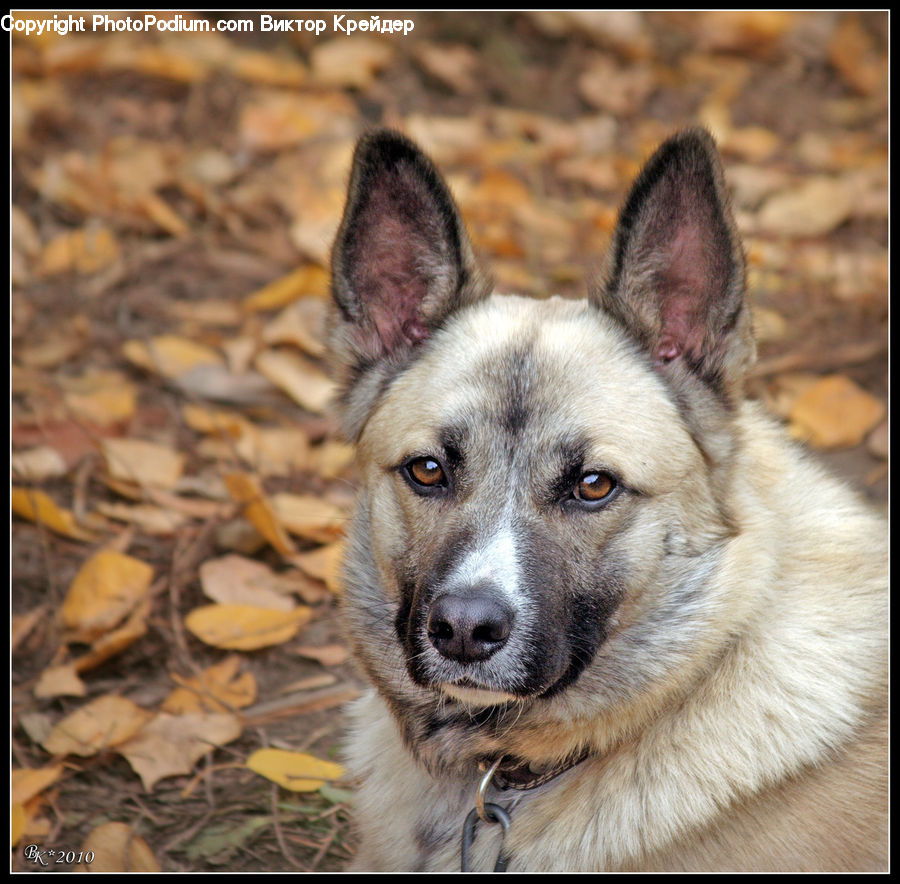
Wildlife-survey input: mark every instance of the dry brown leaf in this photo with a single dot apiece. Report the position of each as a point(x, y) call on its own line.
point(203, 693)
point(237, 580)
point(34, 505)
point(835, 412)
point(21, 625)
point(152, 519)
point(278, 119)
point(274, 451)
point(27, 782)
point(211, 420)
point(60, 681)
point(245, 627)
point(301, 324)
point(104, 406)
point(308, 280)
point(245, 489)
point(104, 722)
point(309, 517)
point(59, 346)
point(323, 564)
point(878, 442)
point(170, 355)
point(316, 220)
point(38, 463)
point(303, 381)
point(116, 848)
point(269, 69)
point(453, 64)
point(332, 459)
point(297, 771)
point(146, 463)
point(80, 251)
point(108, 586)
point(349, 64)
point(852, 52)
point(117, 640)
point(617, 90)
point(816, 206)
point(327, 655)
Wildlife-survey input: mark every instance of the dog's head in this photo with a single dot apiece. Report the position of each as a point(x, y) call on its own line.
point(542, 479)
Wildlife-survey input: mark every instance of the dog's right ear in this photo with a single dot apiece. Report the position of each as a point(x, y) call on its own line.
point(401, 264)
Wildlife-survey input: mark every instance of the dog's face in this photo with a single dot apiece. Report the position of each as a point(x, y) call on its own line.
point(537, 475)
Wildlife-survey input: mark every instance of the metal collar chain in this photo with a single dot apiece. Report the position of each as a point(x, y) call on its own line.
point(512, 775)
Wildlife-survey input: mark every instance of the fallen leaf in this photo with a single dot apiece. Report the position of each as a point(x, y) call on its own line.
point(170, 745)
point(304, 382)
point(60, 681)
point(245, 627)
point(309, 517)
point(327, 655)
point(34, 505)
point(17, 823)
point(245, 489)
point(835, 412)
point(152, 519)
point(80, 251)
point(203, 692)
point(102, 723)
point(878, 442)
point(307, 280)
point(104, 406)
point(296, 771)
point(269, 69)
point(816, 206)
point(852, 52)
point(21, 625)
point(301, 324)
point(453, 64)
point(277, 119)
point(142, 462)
point(116, 848)
point(332, 459)
point(117, 640)
point(236, 580)
point(274, 451)
point(170, 355)
point(617, 90)
point(323, 564)
point(350, 64)
point(27, 782)
point(38, 463)
point(108, 586)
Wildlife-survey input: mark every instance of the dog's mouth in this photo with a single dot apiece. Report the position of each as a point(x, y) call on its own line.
point(470, 694)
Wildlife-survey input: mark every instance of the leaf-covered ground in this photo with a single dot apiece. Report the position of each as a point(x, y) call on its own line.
point(179, 494)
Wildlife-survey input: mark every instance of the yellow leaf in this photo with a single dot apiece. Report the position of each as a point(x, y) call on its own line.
point(835, 412)
point(244, 627)
point(303, 381)
point(309, 517)
point(209, 420)
point(117, 849)
point(115, 642)
point(170, 355)
point(104, 722)
point(60, 681)
point(106, 589)
point(219, 682)
point(104, 406)
point(245, 489)
point(296, 771)
point(83, 251)
point(17, 823)
point(27, 782)
point(171, 745)
point(301, 324)
point(146, 463)
point(310, 280)
point(235, 580)
point(274, 451)
point(38, 507)
point(323, 564)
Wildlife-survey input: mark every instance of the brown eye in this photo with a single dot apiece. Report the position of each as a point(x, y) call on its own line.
point(594, 486)
point(426, 471)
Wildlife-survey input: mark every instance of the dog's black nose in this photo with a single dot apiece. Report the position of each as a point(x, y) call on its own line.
point(470, 627)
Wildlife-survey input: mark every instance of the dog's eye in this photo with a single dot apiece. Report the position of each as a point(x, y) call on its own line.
point(426, 472)
point(594, 487)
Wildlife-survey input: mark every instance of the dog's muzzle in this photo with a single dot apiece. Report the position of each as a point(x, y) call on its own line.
point(468, 625)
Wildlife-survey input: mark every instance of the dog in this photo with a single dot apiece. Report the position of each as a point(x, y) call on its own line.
point(613, 619)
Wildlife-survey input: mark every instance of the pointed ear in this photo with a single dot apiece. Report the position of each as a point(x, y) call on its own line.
point(674, 276)
point(401, 262)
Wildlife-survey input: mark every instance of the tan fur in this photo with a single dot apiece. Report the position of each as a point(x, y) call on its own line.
point(736, 707)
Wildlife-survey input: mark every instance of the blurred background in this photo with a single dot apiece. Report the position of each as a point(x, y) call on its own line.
point(176, 184)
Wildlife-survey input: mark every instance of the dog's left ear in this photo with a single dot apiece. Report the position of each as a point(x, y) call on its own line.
point(674, 275)
point(401, 264)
